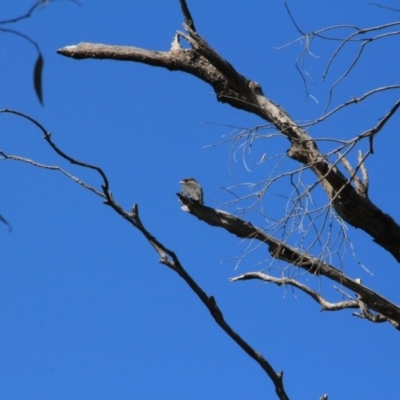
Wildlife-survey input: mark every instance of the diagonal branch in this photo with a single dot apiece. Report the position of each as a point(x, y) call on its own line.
point(281, 251)
point(233, 88)
point(170, 259)
point(187, 15)
point(167, 256)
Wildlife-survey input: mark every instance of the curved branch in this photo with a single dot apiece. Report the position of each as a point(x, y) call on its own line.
point(325, 305)
point(30, 11)
point(47, 137)
point(27, 15)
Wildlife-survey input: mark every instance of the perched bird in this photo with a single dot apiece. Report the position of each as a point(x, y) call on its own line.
point(192, 190)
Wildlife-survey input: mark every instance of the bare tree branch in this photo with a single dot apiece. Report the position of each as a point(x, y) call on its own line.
point(325, 305)
point(52, 168)
point(26, 15)
point(388, 8)
point(47, 137)
point(187, 15)
point(233, 88)
point(281, 251)
point(350, 202)
point(167, 256)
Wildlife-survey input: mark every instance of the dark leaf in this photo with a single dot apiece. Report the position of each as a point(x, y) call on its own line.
point(37, 77)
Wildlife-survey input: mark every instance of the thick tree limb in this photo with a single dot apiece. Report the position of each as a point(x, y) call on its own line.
point(233, 88)
point(281, 251)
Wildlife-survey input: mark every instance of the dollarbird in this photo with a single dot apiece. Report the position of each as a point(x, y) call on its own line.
point(192, 190)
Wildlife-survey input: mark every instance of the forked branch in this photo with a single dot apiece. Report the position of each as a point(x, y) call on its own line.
point(167, 256)
point(281, 251)
point(325, 305)
point(202, 61)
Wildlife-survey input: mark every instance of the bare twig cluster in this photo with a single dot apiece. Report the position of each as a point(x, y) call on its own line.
point(233, 88)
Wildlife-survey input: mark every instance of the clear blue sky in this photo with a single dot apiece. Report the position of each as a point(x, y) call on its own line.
point(86, 310)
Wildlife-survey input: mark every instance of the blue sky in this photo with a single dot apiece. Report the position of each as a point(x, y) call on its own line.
point(86, 310)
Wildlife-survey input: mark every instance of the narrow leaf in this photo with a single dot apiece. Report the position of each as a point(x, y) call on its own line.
point(37, 77)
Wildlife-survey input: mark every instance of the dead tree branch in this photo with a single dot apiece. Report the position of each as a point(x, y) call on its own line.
point(233, 88)
point(281, 251)
point(167, 256)
point(325, 305)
